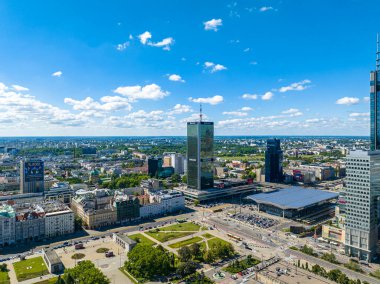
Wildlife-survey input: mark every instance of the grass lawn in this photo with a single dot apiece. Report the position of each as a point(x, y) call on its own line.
point(141, 239)
point(4, 278)
point(52, 280)
point(30, 268)
point(238, 266)
point(182, 227)
point(208, 236)
point(186, 242)
point(216, 240)
point(164, 237)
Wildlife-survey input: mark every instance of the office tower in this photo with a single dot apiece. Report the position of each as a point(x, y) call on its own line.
point(273, 161)
point(362, 192)
point(31, 176)
point(375, 101)
point(154, 166)
point(177, 162)
point(200, 154)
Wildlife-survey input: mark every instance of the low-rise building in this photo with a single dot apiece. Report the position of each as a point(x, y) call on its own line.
point(59, 219)
point(124, 241)
point(53, 262)
point(163, 202)
point(333, 234)
point(127, 207)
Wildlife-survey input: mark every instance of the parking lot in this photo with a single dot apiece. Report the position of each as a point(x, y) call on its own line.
point(255, 219)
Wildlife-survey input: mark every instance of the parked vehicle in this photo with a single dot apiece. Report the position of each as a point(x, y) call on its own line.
point(79, 246)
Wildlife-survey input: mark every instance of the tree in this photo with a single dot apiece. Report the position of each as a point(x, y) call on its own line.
point(3, 267)
point(196, 202)
point(146, 261)
point(184, 179)
point(195, 250)
point(186, 268)
point(184, 254)
point(209, 256)
point(330, 257)
point(85, 273)
point(175, 178)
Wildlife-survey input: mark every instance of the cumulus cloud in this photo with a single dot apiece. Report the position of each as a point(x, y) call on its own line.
point(19, 88)
point(213, 67)
point(213, 25)
point(109, 103)
point(144, 37)
point(359, 114)
point(57, 74)
point(176, 78)
point(293, 112)
point(235, 113)
point(147, 92)
point(347, 101)
point(298, 86)
point(210, 100)
point(249, 96)
point(246, 109)
point(265, 8)
point(122, 46)
point(267, 96)
point(179, 109)
point(366, 99)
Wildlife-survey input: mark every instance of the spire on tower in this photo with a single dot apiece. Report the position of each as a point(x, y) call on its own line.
point(377, 53)
point(200, 112)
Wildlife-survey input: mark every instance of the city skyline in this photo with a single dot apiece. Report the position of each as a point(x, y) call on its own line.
point(256, 70)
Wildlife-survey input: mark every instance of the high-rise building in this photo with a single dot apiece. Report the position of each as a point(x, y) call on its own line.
point(154, 166)
point(375, 102)
point(273, 161)
point(31, 176)
point(200, 155)
point(362, 192)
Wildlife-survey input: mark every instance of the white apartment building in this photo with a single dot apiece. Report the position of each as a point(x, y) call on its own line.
point(163, 203)
point(362, 192)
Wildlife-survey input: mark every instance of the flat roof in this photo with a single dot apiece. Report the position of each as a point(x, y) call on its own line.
point(293, 197)
point(52, 256)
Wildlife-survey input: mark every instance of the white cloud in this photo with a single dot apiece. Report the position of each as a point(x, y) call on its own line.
point(214, 67)
point(211, 100)
point(235, 113)
point(144, 37)
point(292, 112)
point(213, 24)
point(246, 109)
point(359, 114)
point(19, 88)
point(110, 103)
point(249, 96)
point(122, 46)
point(253, 63)
point(265, 8)
point(347, 101)
point(165, 43)
point(366, 99)
point(149, 92)
point(299, 86)
point(176, 78)
point(267, 96)
point(247, 49)
point(57, 74)
point(179, 109)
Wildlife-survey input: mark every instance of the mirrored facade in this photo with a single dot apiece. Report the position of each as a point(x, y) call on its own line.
point(200, 155)
point(375, 110)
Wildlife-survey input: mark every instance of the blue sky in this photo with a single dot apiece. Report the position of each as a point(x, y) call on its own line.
point(141, 67)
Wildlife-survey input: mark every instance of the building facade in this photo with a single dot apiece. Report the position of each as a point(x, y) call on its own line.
point(273, 161)
point(32, 176)
point(127, 208)
point(375, 105)
point(59, 219)
point(7, 225)
point(200, 155)
point(362, 192)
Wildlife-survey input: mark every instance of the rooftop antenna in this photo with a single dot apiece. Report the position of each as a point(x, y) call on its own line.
point(377, 53)
point(200, 112)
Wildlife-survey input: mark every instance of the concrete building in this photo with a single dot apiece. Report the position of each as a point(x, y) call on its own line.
point(32, 176)
point(30, 224)
point(333, 234)
point(59, 219)
point(362, 192)
point(52, 261)
point(60, 191)
point(164, 202)
point(127, 207)
point(7, 225)
point(94, 207)
point(124, 241)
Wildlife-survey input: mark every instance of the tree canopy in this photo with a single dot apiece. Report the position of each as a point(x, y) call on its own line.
point(85, 273)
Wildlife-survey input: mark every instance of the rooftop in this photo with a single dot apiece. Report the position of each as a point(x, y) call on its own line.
point(52, 256)
point(294, 197)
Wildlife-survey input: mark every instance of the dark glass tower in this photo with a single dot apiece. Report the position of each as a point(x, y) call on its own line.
point(31, 176)
point(273, 161)
point(200, 155)
point(375, 101)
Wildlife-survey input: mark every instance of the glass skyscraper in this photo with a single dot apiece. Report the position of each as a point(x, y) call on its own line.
point(273, 161)
point(375, 110)
point(200, 155)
